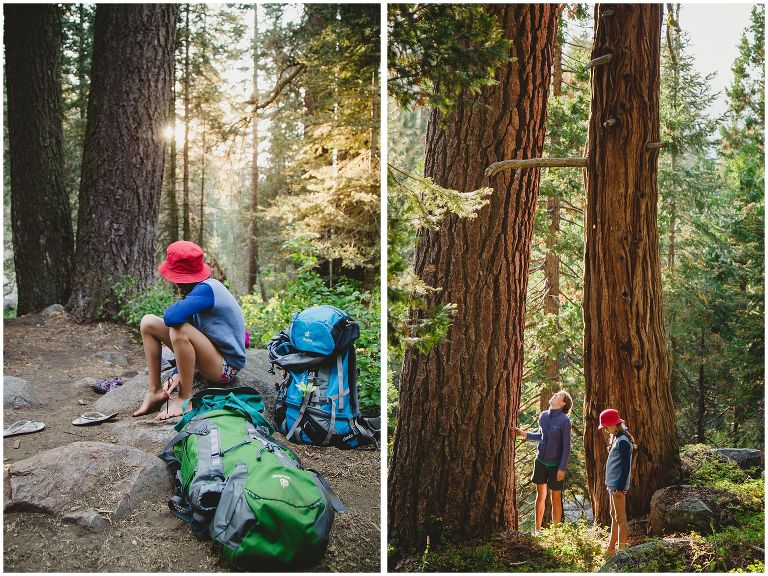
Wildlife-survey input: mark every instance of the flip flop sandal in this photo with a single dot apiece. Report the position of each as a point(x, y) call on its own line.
point(90, 418)
point(104, 386)
point(23, 427)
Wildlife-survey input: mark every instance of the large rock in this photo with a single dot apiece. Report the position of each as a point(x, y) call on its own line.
point(683, 508)
point(128, 397)
point(86, 477)
point(150, 435)
point(17, 393)
point(661, 556)
point(743, 457)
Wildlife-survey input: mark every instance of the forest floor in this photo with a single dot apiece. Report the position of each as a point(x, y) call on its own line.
point(736, 545)
point(54, 354)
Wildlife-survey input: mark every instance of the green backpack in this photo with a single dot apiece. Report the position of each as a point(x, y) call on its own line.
point(239, 486)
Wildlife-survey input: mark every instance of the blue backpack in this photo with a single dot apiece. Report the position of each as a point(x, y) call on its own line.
point(317, 400)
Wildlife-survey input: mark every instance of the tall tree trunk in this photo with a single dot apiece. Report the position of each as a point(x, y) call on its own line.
point(702, 395)
point(82, 100)
point(453, 453)
point(187, 231)
point(201, 229)
point(173, 203)
point(40, 214)
point(254, 273)
point(626, 364)
point(122, 172)
point(552, 276)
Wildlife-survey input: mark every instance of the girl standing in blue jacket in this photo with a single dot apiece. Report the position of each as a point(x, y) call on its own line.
point(554, 438)
point(617, 473)
point(204, 329)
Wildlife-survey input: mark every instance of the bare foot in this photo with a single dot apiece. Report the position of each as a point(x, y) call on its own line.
point(151, 401)
point(609, 552)
point(175, 409)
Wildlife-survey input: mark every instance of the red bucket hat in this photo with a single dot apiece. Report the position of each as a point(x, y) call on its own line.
point(609, 417)
point(184, 263)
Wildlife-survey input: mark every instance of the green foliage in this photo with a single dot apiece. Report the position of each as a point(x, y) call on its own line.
point(334, 181)
point(575, 546)
point(437, 52)
point(264, 320)
point(459, 558)
point(712, 206)
point(132, 306)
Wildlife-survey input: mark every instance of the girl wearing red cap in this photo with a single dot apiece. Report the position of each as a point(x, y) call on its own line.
point(204, 329)
point(617, 473)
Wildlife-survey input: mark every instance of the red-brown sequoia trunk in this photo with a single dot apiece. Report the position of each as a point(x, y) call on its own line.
point(625, 357)
point(452, 461)
point(122, 171)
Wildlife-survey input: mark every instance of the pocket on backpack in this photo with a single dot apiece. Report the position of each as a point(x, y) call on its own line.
point(234, 517)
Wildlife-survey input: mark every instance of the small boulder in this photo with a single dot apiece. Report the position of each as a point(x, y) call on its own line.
point(661, 556)
point(51, 310)
point(90, 520)
point(86, 477)
point(116, 358)
point(742, 457)
point(683, 508)
point(86, 382)
point(17, 393)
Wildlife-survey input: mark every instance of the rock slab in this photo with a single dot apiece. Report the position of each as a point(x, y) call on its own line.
point(17, 393)
point(637, 558)
point(84, 478)
point(128, 397)
point(683, 508)
point(742, 457)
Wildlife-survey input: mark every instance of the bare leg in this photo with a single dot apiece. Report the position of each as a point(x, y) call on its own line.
point(557, 508)
point(192, 349)
point(541, 501)
point(614, 529)
point(154, 333)
point(619, 505)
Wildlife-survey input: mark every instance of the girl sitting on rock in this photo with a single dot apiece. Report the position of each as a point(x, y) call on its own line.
point(617, 473)
point(204, 329)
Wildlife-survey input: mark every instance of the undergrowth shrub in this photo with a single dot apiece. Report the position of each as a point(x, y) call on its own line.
point(132, 306)
point(576, 546)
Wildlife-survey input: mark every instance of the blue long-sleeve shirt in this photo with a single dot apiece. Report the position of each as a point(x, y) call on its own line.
point(214, 311)
point(619, 464)
point(554, 437)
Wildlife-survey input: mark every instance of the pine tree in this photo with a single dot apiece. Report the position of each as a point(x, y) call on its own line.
point(451, 467)
point(123, 156)
point(626, 363)
point(40, 213)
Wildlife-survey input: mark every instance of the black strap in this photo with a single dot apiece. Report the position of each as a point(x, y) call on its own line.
point(335, 501)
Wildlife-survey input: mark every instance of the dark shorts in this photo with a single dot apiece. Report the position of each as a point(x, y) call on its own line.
point(546, 475)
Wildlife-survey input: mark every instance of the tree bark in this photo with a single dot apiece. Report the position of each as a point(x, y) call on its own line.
point(201, 229)
point(254, 273)
point(626, 364)
point(702, 395)
point(41, 225)
point(122, 172)
point(452, 460)
point(82, 100)
point(173, 202)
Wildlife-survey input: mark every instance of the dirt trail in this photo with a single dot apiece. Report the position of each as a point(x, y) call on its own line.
point(53, 354)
